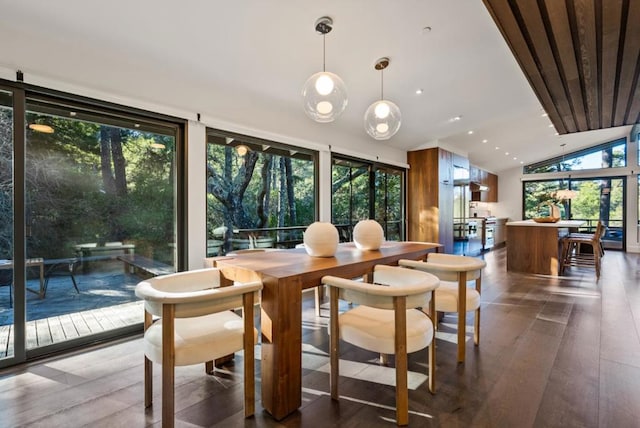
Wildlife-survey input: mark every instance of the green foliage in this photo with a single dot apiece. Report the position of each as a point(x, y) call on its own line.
point(227, 173)
point(350, 198)
point(591, 199)
point(67, 201)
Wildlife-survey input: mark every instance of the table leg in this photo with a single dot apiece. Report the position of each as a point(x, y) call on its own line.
point(281, 346)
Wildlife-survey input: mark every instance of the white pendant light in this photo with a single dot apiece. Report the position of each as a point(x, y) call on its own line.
point(382, 118)
point(564, 194)
point(324, 93)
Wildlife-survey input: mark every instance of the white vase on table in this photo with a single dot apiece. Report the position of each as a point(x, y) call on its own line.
point(321, 239)
point(368, 235)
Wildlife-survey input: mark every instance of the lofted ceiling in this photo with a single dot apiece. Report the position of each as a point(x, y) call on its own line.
point(581, 57)
point(245, 62)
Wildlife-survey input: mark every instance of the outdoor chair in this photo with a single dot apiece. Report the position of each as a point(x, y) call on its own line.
point(61, 268)
point(6, 280)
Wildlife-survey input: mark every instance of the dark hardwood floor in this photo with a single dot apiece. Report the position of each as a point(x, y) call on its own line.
point(554, 352)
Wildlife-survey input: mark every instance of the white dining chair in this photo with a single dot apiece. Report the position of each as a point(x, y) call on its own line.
point(453, 295)
point(196, 325)
point(384, 320)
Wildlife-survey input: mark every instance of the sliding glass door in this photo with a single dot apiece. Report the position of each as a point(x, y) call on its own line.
point(362, 190)
point(7, 268)
point(601, 199)
point(95, 202)
point(389, 207)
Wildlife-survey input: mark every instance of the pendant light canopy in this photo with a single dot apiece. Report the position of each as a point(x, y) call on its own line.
point(324, 93)
point(382, 118)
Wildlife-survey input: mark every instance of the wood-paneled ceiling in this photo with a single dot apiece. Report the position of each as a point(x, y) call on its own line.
point(582, 57)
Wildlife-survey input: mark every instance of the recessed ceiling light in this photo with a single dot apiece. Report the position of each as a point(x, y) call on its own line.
point(497, 148)
point(455, 119)
point(470, 132)
point(544, 115)
point(242, 149)
point(551, 126)
point(556, 133)
point(521, 162)
point(39, 127)
point(506, 153)
point(72, 113)
point(515, 158)
point(485, 141)
point(419, 91)
point(137, 125)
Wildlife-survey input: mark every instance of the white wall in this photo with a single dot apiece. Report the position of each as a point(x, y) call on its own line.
point(509, 195)
point(197, 195)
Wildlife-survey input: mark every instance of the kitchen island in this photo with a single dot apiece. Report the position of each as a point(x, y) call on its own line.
point(535, 247)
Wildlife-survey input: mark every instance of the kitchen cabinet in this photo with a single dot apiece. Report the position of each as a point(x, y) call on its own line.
point(500, 232)
point(430, 197)
point(445, 167)
point(481, 179)
point(474, 174)
point(491, 195)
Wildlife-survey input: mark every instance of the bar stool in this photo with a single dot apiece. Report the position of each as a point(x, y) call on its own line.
point(455, 297)
point(572, 254)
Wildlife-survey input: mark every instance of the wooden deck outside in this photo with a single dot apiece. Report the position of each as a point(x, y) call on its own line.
point(47, 331)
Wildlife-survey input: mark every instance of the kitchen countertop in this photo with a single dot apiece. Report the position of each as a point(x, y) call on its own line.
point(561, 223)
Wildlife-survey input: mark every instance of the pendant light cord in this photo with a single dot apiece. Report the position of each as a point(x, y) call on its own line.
point(382, 84)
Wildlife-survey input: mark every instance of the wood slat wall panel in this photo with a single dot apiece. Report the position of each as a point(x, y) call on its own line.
point(567, 51)
point(541, 48)
point(581, 57)
point(585, 32)
point(630, 67)
point(611, 16)
point(509, 28)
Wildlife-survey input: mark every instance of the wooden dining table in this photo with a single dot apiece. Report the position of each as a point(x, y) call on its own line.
point(284, 275)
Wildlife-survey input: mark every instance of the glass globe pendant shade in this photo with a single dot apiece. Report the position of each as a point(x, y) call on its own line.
point(325, 97)
point(382, 120)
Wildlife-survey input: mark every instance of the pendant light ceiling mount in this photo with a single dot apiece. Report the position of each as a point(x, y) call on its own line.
point(382, 63)
point(382, 119)
point(324, 25)
point(324, 93)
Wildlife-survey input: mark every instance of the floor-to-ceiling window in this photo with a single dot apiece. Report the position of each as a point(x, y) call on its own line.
point(389, 206)
point(7, 329)
point(260, 194)
point(595, 199)
point(363, 190)
point(100, 212)
point(596, 194)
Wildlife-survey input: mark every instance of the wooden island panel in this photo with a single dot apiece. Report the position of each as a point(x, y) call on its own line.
point(536, 247)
